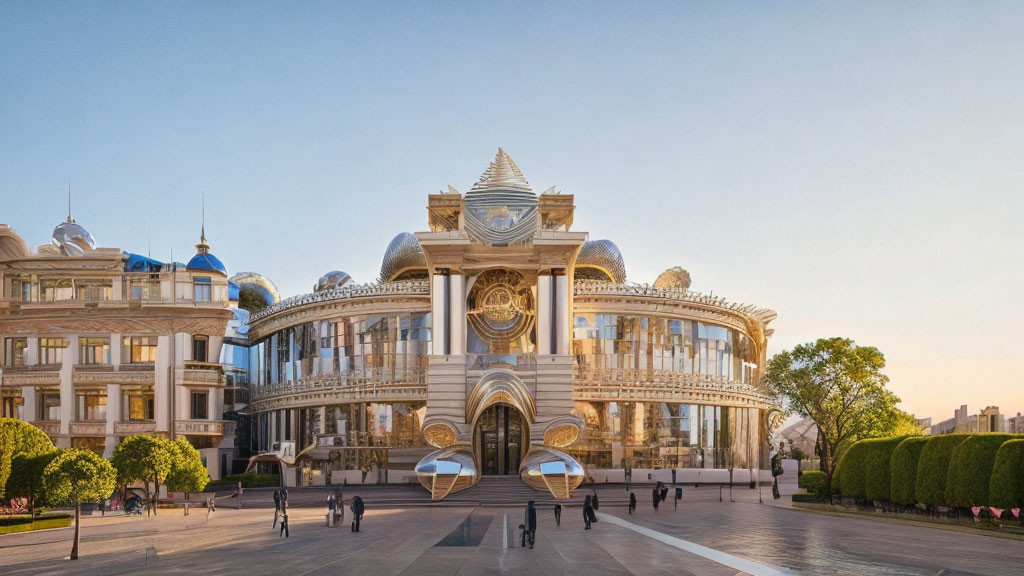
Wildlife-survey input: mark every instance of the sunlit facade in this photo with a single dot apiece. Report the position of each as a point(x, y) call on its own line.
point(99, 344)
point(503, 342)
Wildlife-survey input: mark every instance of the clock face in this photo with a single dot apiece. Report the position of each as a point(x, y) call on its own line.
point(500, 308)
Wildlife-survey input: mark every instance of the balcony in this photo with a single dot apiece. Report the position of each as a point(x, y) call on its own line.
point(205, 374)
point(50, 427)
point(88, 428)
point(102, 374)
point(199, 427)
point(132, 427)
point(41, 375)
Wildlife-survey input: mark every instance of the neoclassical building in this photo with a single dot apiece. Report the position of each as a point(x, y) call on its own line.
point(99, 344)
point(501, 341)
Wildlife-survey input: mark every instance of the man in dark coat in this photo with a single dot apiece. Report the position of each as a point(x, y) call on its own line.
point(632, 502)
point(588, 512)
point(558, 514)
point(531, 522)
point(777, 471)
point(657, 498)
point(357, 512)
point(597, 506)
point(277, 506)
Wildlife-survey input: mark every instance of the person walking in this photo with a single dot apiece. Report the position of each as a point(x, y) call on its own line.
point(588, 512)
point(632, 502)
point(284, 524)
point(558, 514)
point(357, 512)
point(777, 471)
point(657, 498)
point(531, 522)
point(597, 505)
point(679, 496)
point(277, 506)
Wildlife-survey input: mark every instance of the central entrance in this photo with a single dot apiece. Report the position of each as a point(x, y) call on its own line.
point(499, 440)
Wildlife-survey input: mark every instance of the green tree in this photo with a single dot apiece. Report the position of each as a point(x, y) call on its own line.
point(18, 437)
point(26, 480)
point(76, 476)
point(144, 458)
point(251, 299)
point(839, 385)
point(188, 474)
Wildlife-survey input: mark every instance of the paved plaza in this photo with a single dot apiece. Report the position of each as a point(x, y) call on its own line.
point(704, 536)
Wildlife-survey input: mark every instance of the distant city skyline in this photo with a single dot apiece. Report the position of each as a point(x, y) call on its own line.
point(853, 169)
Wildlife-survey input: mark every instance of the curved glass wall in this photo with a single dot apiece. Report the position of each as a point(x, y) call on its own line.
point(394, 344)
point(618, 341)
point(666, 435)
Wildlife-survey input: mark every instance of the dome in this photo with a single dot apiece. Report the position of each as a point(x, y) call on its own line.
point(206, 262)
point(600, 260)
point(140, 263)
point(331, 280)
point(403, 258)
point(259, 283)
point(673, 279)
point(72, 238)
point(501, 208)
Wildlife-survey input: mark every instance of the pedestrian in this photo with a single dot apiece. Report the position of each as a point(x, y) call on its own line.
point(239, 494)
point(588, 512)
point(531, 522)
point(357, 512)
point(558, 514)
point(629, 477)
point(657, 498)
point(284, 524)
point(331, 505)
point(284, 496)
point(596, 504)
point(679, 496)
point(777, 471)
point(673, 476)
point(277, 506)
point(632, 502)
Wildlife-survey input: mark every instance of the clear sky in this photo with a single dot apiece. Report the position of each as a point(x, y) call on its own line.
point(856, 167)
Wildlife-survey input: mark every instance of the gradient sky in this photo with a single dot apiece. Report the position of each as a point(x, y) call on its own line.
point(855, 167)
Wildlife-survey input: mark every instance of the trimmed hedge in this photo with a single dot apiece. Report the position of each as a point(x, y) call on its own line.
point(903, 470)
point(970, 470)
point(876, 467)
point(851, 471)
point(933, 467)
point(248, 480)
point(814, 482)
point(1006, 489)
point(805, 496)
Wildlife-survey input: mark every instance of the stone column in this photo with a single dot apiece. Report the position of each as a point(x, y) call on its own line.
point(113, 415)
point(67, 386)
point(544, 311)
point(457, 314)
point(561, 312)
point(29, 411)
point(439, 313)
point(163, 383)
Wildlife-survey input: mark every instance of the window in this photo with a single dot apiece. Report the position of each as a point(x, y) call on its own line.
point(199, 406)
point(22, 290)
point(12, 407)
point(14, 351)
point(140, 406)
point(49, 406)
point(51, 350)
point(138, 349)
point(202, 289)
point(55, 290)
point(94, 350)
point(199, 346)
point(93, 290)
point(91, 406)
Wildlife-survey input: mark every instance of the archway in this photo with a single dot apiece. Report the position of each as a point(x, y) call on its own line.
point(500, 438)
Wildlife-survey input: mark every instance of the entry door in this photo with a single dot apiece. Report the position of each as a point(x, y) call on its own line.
point(489, 450)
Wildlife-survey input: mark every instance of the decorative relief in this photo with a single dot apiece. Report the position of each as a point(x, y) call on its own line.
point(440, 435)
point(664, 386)
point(50, 427)
point(561, 435)
point(199, 427)
point(500, 308)
point(349, 291)
point(88, 428)
point(25, 377)
point(129, 428)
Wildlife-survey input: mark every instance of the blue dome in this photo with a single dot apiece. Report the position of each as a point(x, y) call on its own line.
point(140, 263)
point(232, 291)
point(206, 262)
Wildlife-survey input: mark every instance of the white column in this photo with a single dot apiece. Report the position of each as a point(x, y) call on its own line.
point(29, 410)
point(544, 314)
point(67, 385)
point(32, 352)
point(561, 287)
point(213, 408)
point(115, 351)
point(457, 314)
point(113, 415)
point(439, 313)
point(162, 386)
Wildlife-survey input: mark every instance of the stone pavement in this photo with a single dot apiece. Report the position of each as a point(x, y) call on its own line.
point(468, 541)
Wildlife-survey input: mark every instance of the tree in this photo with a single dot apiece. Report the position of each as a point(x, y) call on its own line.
point(188, 474)
point(144, 458)
point(840, 386)
point(26, 480)
point(75, 476)
point(18, 437)
point(251, 299)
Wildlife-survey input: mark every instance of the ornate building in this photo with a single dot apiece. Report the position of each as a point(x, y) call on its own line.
point(100, 344)
point(503, 342)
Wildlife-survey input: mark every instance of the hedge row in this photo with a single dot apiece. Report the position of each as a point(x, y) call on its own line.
point(815, 483)
point(958, 470)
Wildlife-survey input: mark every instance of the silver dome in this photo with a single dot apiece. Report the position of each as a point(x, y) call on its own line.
point(72, 239)
point(331, 280)
point(403, 254)
point(600, 260)
point(260, 283)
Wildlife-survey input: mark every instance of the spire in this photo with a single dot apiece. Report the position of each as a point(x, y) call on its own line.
point(203, 247)
point(70, 219)
point(502, 173)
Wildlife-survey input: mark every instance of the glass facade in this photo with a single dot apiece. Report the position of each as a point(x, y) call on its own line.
point(617, 341)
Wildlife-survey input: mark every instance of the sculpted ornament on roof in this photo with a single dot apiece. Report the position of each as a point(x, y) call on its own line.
point(346, 291)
